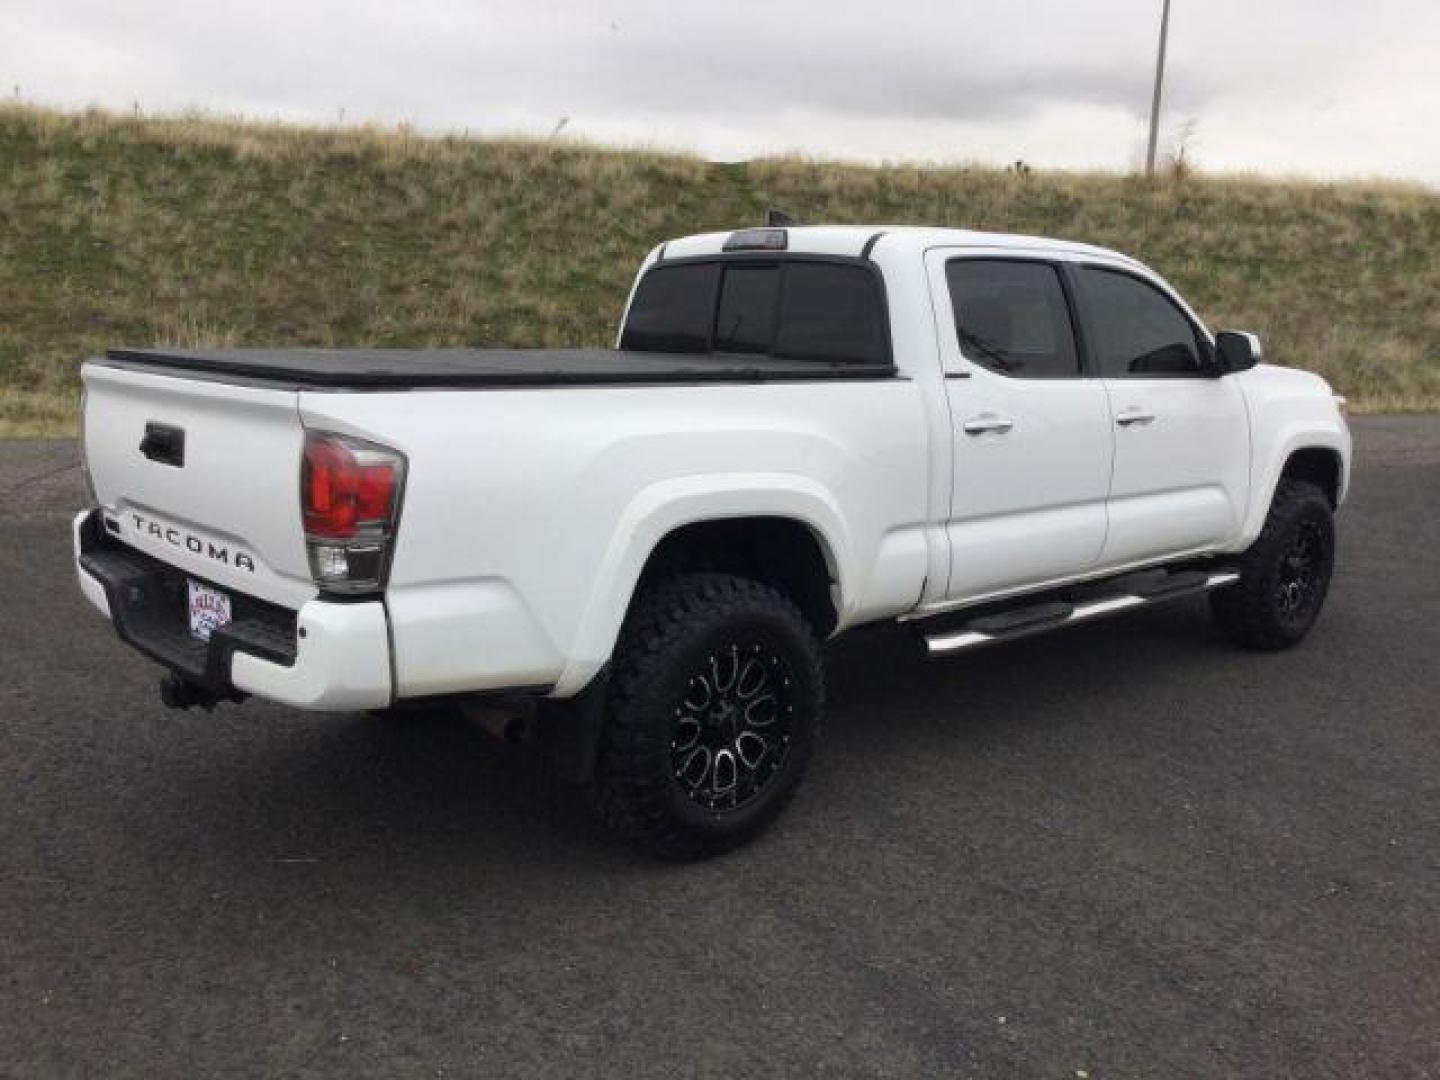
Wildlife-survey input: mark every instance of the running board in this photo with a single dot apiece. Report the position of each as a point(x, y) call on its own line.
point(1037, 619)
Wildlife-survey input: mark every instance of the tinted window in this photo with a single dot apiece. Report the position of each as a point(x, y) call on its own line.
point(671, 310)
point(1011, 317)
point(831, 312)
point(745, 321)
point(1137, 330)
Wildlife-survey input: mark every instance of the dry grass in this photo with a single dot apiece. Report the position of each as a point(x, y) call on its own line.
point(195, 230)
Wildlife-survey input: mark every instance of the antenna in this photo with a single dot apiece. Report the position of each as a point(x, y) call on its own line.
point(780, 219)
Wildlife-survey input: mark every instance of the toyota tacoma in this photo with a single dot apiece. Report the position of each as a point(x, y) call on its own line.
point(637, 552)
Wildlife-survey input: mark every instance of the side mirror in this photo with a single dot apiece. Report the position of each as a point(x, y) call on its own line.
point(1236, 350)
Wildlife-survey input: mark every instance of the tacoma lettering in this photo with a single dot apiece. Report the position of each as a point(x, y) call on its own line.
point(194, 544)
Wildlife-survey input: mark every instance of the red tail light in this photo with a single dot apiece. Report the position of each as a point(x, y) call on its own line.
point(349, 500)
point(346, 486)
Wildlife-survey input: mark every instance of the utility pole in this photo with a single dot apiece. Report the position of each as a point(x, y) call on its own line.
point(1155, 99)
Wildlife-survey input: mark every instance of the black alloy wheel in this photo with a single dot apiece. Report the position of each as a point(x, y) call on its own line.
point(732, 727)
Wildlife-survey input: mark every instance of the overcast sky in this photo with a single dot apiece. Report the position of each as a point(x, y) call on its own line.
point(1324, 87)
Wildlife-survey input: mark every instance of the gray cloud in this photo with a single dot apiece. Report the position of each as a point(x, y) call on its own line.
point(1326, 87)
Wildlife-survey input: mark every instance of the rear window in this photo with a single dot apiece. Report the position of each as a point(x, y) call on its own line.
point(671, 310)
point(794, 309)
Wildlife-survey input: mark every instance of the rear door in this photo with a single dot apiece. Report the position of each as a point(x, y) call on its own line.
point(201, 474)
point(1182, 436)
point(1031, 435)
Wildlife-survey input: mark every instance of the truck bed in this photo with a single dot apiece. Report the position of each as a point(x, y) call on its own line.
point(392, 369)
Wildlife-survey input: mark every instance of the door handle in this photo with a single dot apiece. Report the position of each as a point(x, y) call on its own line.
point(979, 425)
point(1134, 416)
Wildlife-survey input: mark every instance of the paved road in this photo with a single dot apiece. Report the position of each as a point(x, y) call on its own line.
point(1126, 851)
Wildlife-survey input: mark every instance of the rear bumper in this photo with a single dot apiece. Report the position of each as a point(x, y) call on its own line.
point(326, 656)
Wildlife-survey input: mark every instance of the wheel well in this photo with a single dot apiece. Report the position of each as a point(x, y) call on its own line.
point(1319, 466)
point(781, 552)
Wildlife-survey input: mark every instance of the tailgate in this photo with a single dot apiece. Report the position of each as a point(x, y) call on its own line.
point(215, 487)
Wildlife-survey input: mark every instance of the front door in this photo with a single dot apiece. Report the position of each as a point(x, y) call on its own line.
point(1182, 437)
point(1032, 438)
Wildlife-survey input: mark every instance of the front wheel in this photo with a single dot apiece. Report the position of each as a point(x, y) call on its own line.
point(713, 710)
point(1284, 575)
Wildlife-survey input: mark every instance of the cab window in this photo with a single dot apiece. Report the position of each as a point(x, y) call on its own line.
point(1135, 330)
point(1011, 316)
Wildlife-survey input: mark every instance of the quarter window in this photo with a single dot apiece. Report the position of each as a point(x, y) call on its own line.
point(1137, 331)
point(1011, 317)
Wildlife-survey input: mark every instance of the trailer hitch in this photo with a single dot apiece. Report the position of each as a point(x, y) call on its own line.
point(178, 692)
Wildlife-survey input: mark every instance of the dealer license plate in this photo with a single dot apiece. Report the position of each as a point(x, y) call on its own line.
point(209, 608)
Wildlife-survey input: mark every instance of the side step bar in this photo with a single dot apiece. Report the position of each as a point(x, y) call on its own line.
point(1038, 618)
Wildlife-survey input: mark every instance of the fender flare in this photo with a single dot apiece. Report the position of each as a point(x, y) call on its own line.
point(661, 508)
point(1293, 437)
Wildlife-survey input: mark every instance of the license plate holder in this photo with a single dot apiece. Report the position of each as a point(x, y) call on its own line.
point(208, 607)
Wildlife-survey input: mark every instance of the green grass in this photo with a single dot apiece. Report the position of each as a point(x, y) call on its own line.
point(199, 231)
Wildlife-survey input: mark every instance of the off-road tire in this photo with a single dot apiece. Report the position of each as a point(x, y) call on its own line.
point(1264, 610)
point(672, 637)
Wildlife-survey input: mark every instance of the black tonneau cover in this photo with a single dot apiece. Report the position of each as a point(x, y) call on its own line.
point(390, 369)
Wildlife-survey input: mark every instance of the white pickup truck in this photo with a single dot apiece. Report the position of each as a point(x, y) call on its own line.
point(800, 431)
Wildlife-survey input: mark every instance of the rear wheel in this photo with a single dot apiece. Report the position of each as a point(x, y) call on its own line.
point(1284, 575)
point(713, 710)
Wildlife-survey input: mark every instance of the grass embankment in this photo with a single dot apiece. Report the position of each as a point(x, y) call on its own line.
point(196, 231)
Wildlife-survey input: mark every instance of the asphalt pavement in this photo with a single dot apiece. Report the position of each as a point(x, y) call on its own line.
point(1127, 850)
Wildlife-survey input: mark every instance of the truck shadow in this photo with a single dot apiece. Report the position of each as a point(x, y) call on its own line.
point(879, 678)
point(392, 802)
